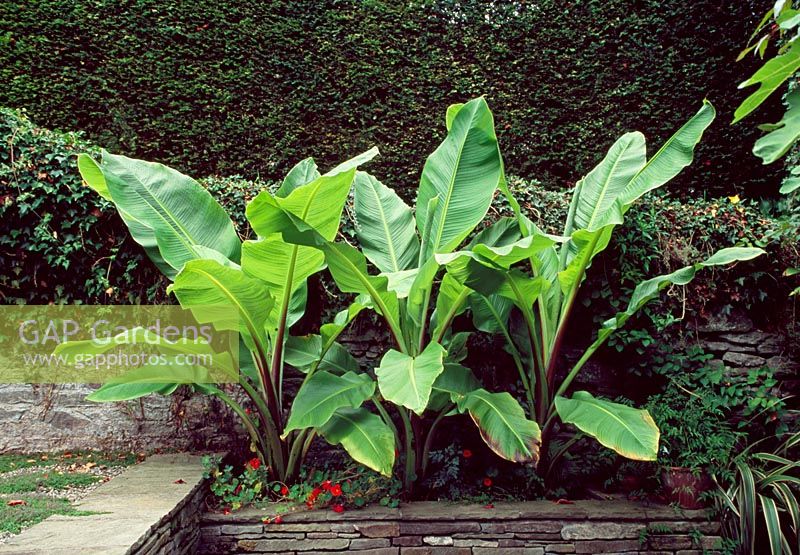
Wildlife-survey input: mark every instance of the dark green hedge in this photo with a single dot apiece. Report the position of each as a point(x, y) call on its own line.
point(228, 87)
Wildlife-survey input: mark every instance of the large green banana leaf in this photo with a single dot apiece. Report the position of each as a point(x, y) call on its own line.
point(768, 78)
point(364, 436)
point(628, 431)
point(503, 426)
point(144, 235)
point(463, 173)
point(407, 381)
point(453, 383)
point(325, 393)
point(282, 266)
point(348, 268)
point(163, 378)
point(180, 212)
point(226, 297)
point(596, 195)
point(306, 352)
point(783, 134)
point(303, 172)
point(385, 225)
point(671, 158)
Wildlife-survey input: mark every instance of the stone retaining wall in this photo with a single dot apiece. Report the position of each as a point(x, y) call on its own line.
point(57, 417)
point(151, 508)
point(178, 532)
point(533, 528)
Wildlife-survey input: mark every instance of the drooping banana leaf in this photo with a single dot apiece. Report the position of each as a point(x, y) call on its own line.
point(364, 436)
point(503, 426)
point(325, 393)
point(783, 134)
point(630, 432)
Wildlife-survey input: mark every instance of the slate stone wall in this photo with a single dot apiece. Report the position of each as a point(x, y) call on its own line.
point(534, 528)
point(179, 532)
point(41, 418)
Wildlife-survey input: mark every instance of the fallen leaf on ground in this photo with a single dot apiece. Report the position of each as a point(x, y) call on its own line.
point(15, 502)
point(179, 481)
point(563, 502)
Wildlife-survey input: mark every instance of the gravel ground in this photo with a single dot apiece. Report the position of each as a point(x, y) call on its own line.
point(73, 493)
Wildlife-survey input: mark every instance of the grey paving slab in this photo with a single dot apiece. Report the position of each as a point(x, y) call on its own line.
point(127, 508)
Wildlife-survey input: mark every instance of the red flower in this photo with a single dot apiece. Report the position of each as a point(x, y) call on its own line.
point(247, 411)
point(254, 463)
point(310, 504)
point(487, 482)
point(488, 506)
point(336, 490)
point(467, 453)
point(284, 490)
point(278, 520)
point(326, 485)
point(312, 497)
point(226, 511)
point(237, 490)
point(338, 508)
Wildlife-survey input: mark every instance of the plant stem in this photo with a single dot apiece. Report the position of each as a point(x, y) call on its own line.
point(294, 455)
point(429, 440)
point(409, 477)
point(386, 418)
point(276, 446)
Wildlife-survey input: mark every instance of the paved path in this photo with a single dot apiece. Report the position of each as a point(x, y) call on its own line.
point(130, 506)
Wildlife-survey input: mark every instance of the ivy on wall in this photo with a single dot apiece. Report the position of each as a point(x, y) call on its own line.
point(250, 88)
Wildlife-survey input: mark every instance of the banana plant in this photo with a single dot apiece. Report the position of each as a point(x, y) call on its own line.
point(421, 379)
point(528, 297)
point(263, 282)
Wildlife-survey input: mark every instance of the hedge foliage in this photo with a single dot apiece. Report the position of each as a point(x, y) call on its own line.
point(60, 242)
point(228, 87)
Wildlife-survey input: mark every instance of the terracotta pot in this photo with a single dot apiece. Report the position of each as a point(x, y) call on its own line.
point(630, 483)
point(684, 487)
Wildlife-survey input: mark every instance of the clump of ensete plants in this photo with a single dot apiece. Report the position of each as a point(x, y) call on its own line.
point(417, 270)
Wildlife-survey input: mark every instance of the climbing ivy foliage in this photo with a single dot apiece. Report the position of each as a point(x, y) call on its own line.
point(227, 87)
point(59, 241)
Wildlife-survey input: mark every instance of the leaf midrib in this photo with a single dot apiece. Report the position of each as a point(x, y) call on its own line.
point(451, 185)
point(497, 410)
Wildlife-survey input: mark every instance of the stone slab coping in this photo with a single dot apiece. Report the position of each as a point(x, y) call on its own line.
point(127, 508)
point(609, 510)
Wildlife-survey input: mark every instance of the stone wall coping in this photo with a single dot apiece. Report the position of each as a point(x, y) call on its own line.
point(592, 510)
point(128, 508)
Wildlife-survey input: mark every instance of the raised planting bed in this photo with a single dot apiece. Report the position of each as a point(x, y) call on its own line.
point(529, 528)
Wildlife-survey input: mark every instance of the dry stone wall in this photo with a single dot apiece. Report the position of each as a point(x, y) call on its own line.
point(533, 528)
point(41, 418)
point(739, 346)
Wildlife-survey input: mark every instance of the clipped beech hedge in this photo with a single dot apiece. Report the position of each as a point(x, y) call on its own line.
point(228, 87)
